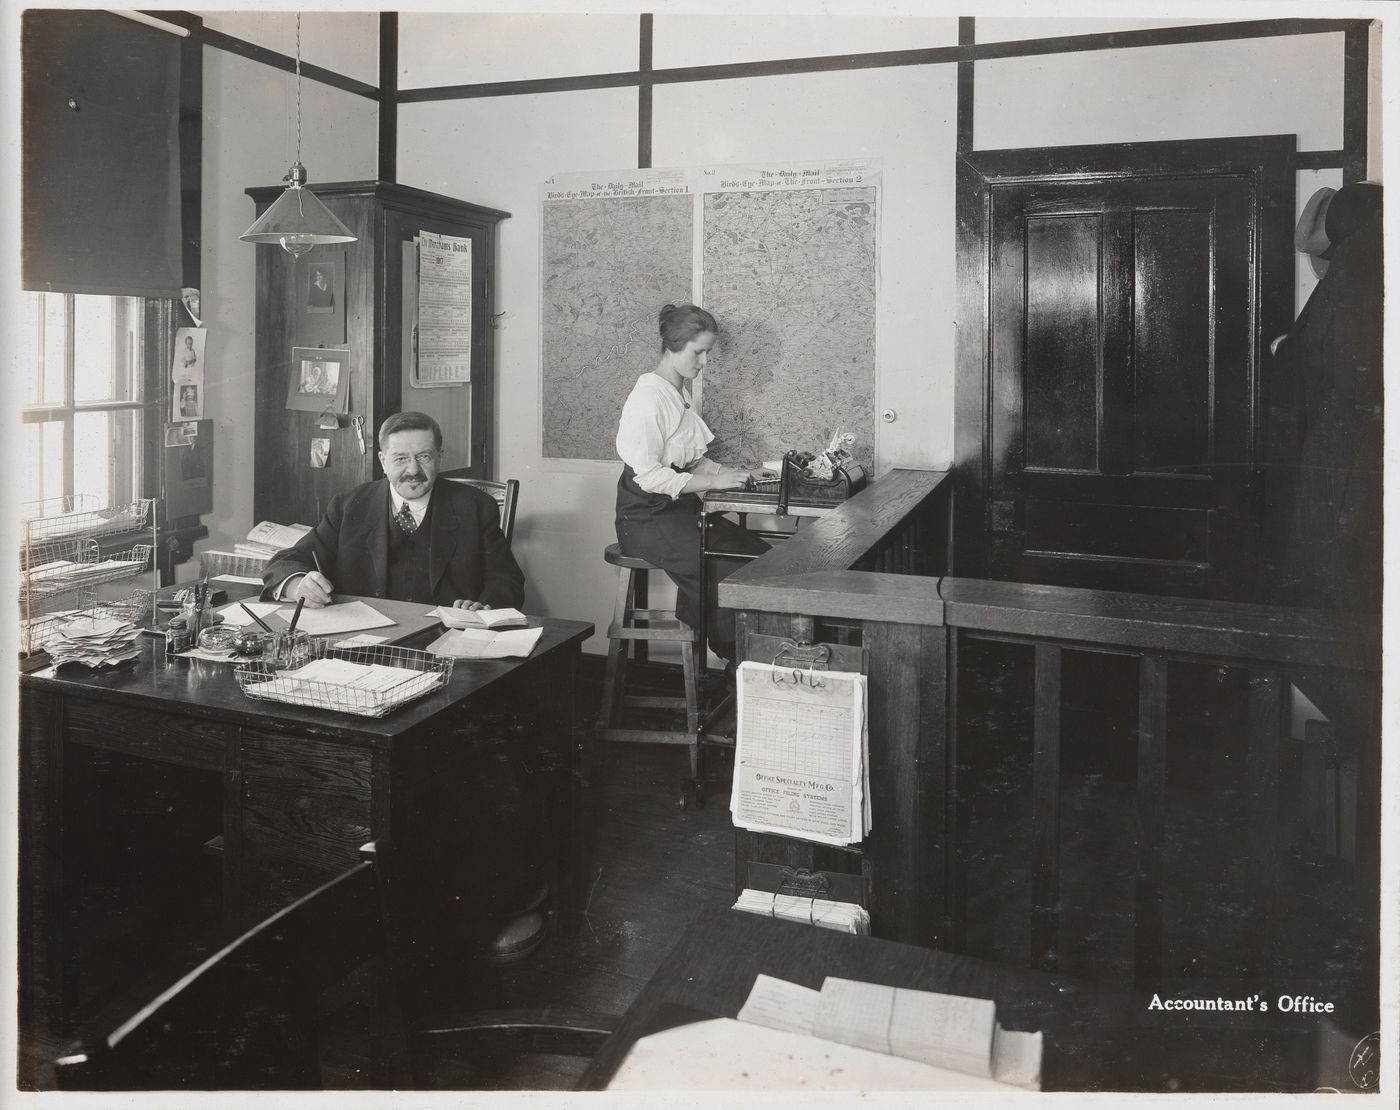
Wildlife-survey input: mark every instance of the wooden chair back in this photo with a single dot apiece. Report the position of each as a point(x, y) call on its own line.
point(505, 494)
point(245, 1018)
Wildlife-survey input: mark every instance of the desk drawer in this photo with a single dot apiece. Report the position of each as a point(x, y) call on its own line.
point(305, 801)
point(149, 733)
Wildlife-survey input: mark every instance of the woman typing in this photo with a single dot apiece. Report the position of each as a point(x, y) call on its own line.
point(662, 442)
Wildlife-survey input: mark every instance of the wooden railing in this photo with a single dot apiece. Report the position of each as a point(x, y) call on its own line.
point(868, 573)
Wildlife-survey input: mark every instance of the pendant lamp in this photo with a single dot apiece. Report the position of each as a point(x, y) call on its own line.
point(297, 220)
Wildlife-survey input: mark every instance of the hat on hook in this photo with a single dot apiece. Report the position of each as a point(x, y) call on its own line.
point(1330, 217)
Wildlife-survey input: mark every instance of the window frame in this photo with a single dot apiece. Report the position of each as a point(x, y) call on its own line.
point(151, 364)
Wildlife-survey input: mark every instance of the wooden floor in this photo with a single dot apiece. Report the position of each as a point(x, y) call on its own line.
point(654, 866)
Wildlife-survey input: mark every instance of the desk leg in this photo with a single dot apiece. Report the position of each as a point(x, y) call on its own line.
point(233, 831)
point(574, 748)
point(43, 928)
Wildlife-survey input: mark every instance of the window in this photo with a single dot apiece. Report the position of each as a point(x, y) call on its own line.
point(89, 370)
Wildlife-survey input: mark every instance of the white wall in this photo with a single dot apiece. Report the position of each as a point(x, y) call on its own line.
point(249, 140)
point(499, 150)
point(496, 151)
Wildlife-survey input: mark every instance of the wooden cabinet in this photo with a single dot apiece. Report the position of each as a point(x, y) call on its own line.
point(370, 317)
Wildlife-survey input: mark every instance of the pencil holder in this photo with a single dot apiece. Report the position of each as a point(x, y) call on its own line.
point(288, 650)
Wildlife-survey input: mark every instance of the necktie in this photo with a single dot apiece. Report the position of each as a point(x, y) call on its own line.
point(404, 519)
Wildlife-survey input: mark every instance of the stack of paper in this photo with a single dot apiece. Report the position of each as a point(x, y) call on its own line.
point(942, 1030)
point(801, 753)
point(844, 917)
point(472, 643)
point(92, 641)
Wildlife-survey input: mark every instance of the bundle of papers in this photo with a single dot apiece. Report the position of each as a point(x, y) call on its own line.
point(479, 618)
point(844, 917)
point(942, 1030)
point(267, 538)
point(473, 643)
point(92, 641)
point(801, 753)
point(364, 688)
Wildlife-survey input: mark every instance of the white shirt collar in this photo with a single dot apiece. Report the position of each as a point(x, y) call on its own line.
point(418, 508)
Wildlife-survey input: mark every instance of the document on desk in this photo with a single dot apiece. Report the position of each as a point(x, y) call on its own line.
point(729, 1055)
point(337, 618)
point(801, 753)
point(478, 643)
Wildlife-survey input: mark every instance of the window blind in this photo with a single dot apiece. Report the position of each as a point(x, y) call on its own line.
point(101, 155)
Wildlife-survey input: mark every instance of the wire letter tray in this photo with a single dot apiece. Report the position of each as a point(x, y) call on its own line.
point(367, 680)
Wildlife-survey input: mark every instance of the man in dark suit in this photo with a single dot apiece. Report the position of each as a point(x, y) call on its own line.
point(410, 537)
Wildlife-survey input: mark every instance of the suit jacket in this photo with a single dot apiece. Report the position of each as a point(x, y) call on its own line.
point(468, 556)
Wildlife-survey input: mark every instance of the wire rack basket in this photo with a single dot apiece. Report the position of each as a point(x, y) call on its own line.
point(368, 680)
point(58, 566)
point(61, 517)
point(133, 608)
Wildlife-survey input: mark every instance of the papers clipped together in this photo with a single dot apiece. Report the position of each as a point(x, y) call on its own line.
point(801, 753)
point(92, 640)
point(844, 917)
point(947, 1031)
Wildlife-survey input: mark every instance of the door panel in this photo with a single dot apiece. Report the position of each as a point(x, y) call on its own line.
point(1116, 433)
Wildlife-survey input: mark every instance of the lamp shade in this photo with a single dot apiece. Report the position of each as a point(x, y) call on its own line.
point(297, 220)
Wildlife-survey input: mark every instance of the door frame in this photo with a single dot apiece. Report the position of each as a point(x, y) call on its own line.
point(1267, 160)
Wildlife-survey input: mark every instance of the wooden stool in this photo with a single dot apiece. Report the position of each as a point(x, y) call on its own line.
point(643, 626)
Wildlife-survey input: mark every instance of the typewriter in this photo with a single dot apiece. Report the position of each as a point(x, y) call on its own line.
point(794, 486)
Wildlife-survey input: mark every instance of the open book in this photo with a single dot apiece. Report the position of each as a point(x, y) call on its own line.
point(267, 538)
point(942, 1030)
point(480, 618)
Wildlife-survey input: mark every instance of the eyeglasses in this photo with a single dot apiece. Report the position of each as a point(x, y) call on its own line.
point(423, 458)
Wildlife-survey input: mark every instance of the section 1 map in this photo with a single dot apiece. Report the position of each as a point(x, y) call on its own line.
point(787, 259)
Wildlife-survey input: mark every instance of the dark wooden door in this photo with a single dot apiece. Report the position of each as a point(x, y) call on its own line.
point(1110, 414)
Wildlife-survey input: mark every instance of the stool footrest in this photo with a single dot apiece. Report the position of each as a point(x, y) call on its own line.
point(615, 632)
point(644, 736)
point(642, 701)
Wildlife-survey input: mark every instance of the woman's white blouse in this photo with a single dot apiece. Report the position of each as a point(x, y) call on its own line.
point(658, 430)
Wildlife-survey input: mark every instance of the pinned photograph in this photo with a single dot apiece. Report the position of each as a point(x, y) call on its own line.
point(187, 402)
point(319, 380)
point(188, 364)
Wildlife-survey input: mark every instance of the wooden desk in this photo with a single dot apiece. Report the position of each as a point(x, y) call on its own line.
point(1094, 1040)
point(302, 788)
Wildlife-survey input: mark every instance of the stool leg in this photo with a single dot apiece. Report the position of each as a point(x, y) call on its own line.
point(692, 705)
point(616, 672)
point(641, 599)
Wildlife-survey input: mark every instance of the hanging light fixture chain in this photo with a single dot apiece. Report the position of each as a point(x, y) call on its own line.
point(298, 62)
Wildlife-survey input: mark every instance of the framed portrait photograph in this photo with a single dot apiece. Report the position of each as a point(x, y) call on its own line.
point(321, 286)
point(319, 380)
point(318, 298)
